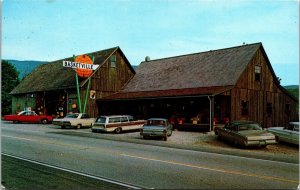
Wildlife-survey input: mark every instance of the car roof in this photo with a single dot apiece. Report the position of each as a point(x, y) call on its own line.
point(115, 116)
point(157, 119)
point(242, 122)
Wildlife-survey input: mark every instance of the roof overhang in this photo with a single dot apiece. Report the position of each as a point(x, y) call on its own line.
point(172, 93)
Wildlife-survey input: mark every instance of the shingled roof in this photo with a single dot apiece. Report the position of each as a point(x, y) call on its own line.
point(53, 76)
point(210, 72)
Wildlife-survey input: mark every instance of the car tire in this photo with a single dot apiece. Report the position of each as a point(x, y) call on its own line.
point(44, 121)
point(165, 138)
point(63, 127)
point(236, 144)
point(118, 130)
point(145, 137)
point(78, 126)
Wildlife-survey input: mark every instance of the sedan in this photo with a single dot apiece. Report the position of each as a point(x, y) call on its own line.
point(157, 127)
point(245, 133)
point(289, 134)
point(30, 117)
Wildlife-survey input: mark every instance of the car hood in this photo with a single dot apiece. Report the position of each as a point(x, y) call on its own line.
point(257, 134)
point(275, 129)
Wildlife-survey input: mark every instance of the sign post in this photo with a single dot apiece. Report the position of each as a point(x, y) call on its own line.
point(84, 67)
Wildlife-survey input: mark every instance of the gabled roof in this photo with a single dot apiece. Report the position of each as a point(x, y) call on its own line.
point(53, 76)
point(208, 72)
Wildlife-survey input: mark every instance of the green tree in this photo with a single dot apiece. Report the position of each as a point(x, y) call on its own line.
point(9, 80)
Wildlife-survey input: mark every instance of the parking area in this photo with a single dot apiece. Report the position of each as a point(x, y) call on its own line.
point(210, 141)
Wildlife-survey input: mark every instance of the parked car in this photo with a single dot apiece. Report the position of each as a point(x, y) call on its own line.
point(76, 120)
point(157, 127)
point(30, 117)
point(245, 133)
point(117, 123)
point(289, 134)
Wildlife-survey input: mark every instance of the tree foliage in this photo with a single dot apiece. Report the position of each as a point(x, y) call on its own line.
point(9, 80)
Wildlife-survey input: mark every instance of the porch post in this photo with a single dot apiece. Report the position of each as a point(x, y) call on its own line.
point(44, 103)
point(211, 112)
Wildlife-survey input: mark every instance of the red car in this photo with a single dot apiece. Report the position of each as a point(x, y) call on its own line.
point(30, 117)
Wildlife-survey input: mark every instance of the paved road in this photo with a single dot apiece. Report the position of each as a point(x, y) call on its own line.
point(144, 166)
point(20, 174)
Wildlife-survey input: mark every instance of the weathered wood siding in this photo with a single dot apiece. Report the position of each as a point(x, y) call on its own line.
point(108, 80)
point(259, 94)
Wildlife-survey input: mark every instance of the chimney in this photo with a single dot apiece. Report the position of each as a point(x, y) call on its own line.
point(147, 58)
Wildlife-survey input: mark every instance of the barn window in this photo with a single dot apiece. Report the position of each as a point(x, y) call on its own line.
point(245, 105)
point(257, 72)
point(113, 61)
point(269, 108)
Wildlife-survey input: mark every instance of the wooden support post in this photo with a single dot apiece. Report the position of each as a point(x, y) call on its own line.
point(211, 112)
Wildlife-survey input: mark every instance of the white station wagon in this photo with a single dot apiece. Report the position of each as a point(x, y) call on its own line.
point(117, 123)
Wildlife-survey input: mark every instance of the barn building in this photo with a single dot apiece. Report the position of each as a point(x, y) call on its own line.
point(51, 88)
point(201, 89)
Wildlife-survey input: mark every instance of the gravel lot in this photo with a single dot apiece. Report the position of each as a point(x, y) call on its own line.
point(209, 140)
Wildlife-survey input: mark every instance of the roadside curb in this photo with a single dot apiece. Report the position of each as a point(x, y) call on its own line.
point(232, 152)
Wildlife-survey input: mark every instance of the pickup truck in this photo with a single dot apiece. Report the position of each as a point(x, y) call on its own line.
point(76, 120)
point(117, 123)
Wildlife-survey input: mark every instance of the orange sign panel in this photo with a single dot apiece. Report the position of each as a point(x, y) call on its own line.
point(84, 72)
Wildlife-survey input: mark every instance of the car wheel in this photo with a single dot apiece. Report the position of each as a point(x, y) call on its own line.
point(63, 127)
point(236, 144)
point(165, 138)
point(44, 121)
point(145, 137)
point(118, 130)
point(78, 126)
point(277, 139)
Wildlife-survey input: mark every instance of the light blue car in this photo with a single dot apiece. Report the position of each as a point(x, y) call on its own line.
point(157, 127)
point(288, 134)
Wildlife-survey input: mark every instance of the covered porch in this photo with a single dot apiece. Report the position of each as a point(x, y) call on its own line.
point(200, 112)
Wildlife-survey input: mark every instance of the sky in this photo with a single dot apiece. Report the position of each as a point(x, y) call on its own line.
point(48, 30)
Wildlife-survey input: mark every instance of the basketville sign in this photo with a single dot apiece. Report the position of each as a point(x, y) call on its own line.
point(84, 67)
point(77, 65)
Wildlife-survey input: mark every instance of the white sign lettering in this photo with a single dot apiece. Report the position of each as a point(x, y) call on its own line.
point(77, 65)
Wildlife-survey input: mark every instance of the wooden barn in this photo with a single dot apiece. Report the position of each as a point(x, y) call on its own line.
point(51, 88)
point(206, 88)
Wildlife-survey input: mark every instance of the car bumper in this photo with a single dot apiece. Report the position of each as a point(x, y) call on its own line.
point(261, 142)
point(98, 129)
point(61, 123)
point(153, 134)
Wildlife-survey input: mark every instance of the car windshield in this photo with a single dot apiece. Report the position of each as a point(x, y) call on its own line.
point(249, 127)
point(100, 120)
point(293, 127)
point(156, 122)
point(72, 115)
